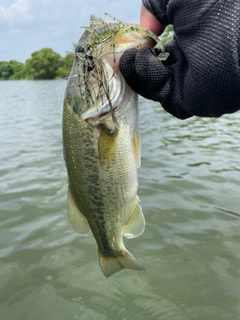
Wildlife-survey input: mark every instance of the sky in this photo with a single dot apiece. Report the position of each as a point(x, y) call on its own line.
point(27, 26)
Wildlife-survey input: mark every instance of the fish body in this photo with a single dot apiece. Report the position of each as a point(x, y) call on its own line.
point(101, 143)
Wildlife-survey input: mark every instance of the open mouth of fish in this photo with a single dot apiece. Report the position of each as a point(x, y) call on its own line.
point(108, 103)
point(105, 114)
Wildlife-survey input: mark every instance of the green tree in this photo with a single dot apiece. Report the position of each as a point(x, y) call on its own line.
point(44, 64)
point(19, 70)
point(65, 69)
point(6, 70)
point(67, 62)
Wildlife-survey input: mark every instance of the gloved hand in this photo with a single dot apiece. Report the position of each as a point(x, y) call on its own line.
point(151, 78)
point(144, 73)
point(201, 76)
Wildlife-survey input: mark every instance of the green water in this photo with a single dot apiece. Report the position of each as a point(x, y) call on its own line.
point(189, 186)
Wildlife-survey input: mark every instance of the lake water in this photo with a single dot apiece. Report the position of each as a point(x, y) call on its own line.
point(189, 186)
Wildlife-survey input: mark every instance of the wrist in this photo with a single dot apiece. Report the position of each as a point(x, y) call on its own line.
point(150, 22)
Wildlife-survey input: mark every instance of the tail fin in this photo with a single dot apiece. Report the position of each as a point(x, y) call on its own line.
point(111, 265)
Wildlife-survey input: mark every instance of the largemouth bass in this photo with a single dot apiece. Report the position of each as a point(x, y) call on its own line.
point(101, 142)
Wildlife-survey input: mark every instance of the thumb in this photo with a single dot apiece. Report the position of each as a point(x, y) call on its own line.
point(128, 69)
point(155, 77)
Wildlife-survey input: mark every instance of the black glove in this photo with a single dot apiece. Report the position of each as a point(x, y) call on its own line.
point(202, 74)
point(144, 73)
point(151, 78)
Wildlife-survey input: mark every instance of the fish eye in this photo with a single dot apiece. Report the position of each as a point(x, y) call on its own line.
point(79, 48)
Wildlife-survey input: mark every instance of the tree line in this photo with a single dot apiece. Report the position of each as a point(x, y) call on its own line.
point(43, 64)
point(47, 64)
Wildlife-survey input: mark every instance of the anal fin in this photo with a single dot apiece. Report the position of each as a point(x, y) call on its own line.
point(135, 225)
point(76, 218)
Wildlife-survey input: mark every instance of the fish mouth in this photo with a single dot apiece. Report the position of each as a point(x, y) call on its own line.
point(109, 103)
point(101, 115)
point(98, 113)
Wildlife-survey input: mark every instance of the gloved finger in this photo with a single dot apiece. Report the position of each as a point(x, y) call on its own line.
point(127, 64)
point(127, 68)
point(172, 48)
point(152, 74)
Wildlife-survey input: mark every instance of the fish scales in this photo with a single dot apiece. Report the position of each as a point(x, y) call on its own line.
point(97, 187)
point(101, 142)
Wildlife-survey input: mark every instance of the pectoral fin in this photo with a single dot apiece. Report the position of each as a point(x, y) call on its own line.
point(137, 148)
point(77, 220)
point(135, 225)
point(106, 148)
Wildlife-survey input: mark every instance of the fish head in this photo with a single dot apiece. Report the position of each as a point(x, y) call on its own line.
point(96, 87)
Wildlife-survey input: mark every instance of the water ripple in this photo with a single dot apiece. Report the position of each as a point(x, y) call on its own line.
point(189, 191)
